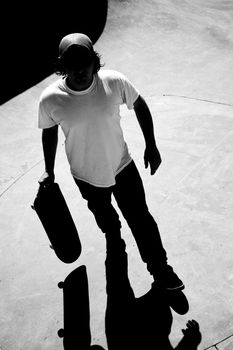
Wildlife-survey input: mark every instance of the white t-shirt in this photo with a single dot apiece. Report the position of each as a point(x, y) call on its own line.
point(90, 120)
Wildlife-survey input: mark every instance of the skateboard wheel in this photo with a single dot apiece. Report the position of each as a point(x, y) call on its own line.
point(60, 333)
point(60, 284)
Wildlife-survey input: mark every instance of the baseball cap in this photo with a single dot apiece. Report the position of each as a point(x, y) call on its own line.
point(79, 39)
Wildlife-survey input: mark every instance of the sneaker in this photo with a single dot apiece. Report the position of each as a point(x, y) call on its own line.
point(175, 298)
point(169, 280)
point(178, 301)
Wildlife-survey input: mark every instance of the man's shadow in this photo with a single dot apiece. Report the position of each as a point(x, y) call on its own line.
point(130, 322)
point(144, 322)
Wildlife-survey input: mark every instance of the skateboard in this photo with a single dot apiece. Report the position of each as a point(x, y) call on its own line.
point(57, 221)
point(76, 311)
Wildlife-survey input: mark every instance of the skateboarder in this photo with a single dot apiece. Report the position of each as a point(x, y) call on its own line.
point(85, 101)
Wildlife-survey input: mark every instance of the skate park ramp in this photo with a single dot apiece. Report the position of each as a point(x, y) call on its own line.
point(29, 48)
point(179, 55)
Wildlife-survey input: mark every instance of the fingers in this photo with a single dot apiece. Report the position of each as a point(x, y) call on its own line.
point(192, 328)
point(146, 162)
point(46, 180)
point(192, 332)
point(153, 168)
point(45, 184)
point(192, 324)
point(154, 164)
point(152, 157)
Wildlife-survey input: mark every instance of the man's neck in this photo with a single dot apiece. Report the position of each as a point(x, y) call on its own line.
point(78, 85)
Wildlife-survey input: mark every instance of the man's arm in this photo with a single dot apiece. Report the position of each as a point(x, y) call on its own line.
point(49, 144)
point(151, 155)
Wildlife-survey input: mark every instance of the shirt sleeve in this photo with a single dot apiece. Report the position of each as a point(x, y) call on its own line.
point(128, 91)
point(44, 117)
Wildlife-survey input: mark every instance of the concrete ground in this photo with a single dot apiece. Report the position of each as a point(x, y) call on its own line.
point(179, 55)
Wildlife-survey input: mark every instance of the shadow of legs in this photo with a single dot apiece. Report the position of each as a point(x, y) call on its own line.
point(132, 323)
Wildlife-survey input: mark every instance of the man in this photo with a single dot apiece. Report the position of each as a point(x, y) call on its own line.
point(85, 102)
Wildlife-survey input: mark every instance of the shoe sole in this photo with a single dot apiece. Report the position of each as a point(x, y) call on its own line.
point(176, 288)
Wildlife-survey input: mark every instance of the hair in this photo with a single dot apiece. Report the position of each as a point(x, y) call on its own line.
point(60, 64)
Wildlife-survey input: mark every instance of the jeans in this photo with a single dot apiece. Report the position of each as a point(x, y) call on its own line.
point(130, 197)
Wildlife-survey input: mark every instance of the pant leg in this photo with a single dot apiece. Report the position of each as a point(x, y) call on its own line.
point(99, 202)
point(130, 196)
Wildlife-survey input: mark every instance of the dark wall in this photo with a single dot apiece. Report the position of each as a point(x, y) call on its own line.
point(30, 35)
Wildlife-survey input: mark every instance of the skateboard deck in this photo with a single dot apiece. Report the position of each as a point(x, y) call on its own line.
point(57, 221)
point(76, 311)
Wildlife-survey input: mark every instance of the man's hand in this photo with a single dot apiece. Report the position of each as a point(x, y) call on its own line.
point(46, 179)
point(192, 333)
point(152, 157)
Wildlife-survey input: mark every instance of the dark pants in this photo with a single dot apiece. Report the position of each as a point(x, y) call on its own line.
point(130, 197)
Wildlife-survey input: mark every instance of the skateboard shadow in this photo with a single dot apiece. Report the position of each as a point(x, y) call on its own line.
point(144, 322)
point(76, 333)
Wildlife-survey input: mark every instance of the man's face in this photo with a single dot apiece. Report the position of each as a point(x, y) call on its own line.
point(81, 74)
point(79, 64)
